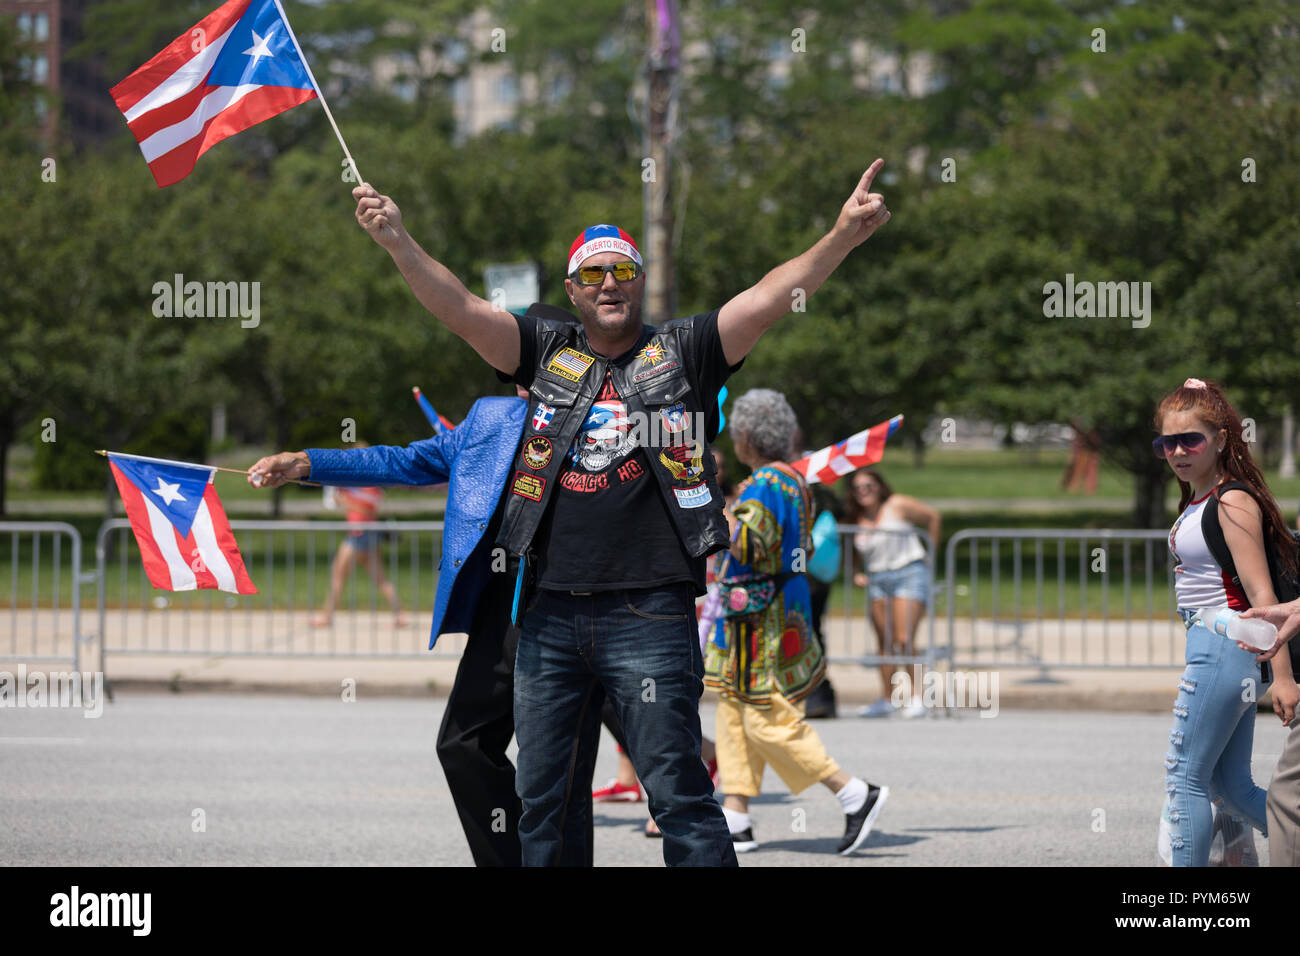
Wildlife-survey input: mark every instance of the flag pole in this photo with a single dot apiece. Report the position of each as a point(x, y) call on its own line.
point(191, 464)
point(319, 92)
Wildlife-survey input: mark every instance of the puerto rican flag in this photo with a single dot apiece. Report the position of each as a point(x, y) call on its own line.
point(858, 451)
point(238, 66)
point(184, 537)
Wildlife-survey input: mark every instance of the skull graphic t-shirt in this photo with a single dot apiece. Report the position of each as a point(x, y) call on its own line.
point(608, 505)
point(607, 525)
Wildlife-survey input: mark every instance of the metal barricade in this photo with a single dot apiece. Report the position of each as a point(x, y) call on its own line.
point(290, 563)
point(1098, 598)
point(851, 636)
point(1015, 598)
point(40, 621)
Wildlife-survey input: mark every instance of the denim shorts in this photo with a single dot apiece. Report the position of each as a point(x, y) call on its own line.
point(909, 581)
point(365, 540)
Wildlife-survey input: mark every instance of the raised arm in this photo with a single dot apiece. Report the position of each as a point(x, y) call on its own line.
point(918, 513)
point(492, 333)
point(745, 318)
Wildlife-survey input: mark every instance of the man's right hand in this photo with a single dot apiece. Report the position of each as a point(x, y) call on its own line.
point(490, 330)
point(379, 216)
point(1284, 617)
point(276, 470)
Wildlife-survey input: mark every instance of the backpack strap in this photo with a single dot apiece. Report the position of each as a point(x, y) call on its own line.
point(1213, 530)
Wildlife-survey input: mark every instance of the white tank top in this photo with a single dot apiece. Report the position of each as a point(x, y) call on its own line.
point(890, 551)
point(1199, 582)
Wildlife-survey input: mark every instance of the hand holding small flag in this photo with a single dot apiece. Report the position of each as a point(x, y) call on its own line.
point(276, 470)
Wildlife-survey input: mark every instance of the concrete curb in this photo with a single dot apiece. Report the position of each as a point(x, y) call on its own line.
point(848, 696)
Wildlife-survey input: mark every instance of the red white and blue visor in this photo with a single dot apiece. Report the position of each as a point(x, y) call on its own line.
point(594, 240)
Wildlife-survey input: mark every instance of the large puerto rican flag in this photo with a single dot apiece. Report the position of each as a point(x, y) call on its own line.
point(865, 448)
point(236, 67)
point(179, 523)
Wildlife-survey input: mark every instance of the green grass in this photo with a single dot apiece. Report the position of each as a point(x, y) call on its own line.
point(952, 473)
point(946, 472)
point(1015, 474)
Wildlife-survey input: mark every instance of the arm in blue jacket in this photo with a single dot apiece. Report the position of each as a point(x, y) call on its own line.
point(424, 462)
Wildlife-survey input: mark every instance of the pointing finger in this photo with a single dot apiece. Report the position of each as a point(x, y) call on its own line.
point(864, 184)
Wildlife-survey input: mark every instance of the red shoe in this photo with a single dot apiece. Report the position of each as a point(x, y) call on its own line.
point(615, 792)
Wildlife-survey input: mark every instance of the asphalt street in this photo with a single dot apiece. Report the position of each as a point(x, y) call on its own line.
point(256, 779)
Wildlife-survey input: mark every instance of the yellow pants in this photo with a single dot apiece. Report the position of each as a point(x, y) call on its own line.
point(750, 739)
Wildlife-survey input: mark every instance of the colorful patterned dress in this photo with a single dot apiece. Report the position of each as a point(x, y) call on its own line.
point(764, 642)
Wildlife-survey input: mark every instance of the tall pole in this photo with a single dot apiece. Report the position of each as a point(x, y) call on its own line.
point(663, 48)
point(1287, 469)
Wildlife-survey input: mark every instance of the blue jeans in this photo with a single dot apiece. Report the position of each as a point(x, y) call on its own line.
point(1211, 742)
point(642, 646)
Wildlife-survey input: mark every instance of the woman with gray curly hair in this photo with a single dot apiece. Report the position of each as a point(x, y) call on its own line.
point(763, 658)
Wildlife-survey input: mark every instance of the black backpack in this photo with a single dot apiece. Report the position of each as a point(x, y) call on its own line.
point(1285, 587)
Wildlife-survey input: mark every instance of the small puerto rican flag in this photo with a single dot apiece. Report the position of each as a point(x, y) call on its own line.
point(542, 417)
point(184, 537)
point(865, 448)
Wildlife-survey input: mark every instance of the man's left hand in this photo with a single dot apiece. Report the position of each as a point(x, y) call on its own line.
point(864, 212)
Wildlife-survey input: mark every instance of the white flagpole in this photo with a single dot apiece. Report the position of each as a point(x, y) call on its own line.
point(319, 92)
point(211, 469)
point(155, 461)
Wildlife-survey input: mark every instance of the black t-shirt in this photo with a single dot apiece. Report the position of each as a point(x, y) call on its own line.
point(607, 526)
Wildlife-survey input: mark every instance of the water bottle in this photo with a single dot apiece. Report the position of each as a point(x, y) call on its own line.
point(1253, 632)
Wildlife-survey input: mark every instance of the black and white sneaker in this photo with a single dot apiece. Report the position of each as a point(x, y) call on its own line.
point(857, 826)
point(744, 842)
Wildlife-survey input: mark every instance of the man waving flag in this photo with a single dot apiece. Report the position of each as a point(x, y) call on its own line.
point(238, 66)
point(184, 537)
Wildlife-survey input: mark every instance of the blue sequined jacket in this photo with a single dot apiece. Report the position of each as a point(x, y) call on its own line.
point(475, 457)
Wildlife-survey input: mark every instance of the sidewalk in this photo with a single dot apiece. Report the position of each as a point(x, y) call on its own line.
point(1150, 691)
point(178, 649)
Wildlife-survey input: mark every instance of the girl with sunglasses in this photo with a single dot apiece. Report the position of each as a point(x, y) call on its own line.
point(891, 563)
point(1214, 714)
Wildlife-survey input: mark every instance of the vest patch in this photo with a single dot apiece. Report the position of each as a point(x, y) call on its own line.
point(684, 462)
point(660, 369)
point(528, 486)
point(537, 452)
point(652, 354)
point(542, 417)
point(570, 364)
point(674, 418)
point(697, 496)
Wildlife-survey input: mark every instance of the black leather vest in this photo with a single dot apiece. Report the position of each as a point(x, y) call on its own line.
point(664, 411)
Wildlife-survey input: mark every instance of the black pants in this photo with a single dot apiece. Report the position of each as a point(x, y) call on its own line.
point(476, 730)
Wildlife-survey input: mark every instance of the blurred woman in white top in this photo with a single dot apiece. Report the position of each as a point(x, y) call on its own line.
point(891, 563)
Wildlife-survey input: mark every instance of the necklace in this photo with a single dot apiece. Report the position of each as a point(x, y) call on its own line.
point(1218, 479)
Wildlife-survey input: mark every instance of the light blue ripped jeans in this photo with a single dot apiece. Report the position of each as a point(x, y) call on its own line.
point(1210, 745)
